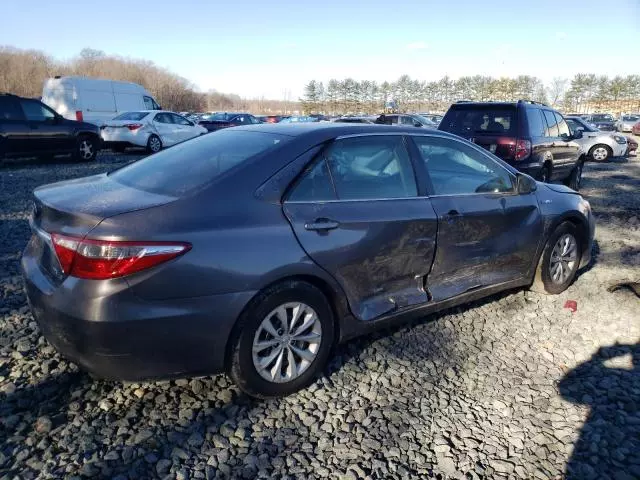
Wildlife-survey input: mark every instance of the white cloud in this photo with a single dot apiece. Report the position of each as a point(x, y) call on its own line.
point(561, 35)
point(417, 46)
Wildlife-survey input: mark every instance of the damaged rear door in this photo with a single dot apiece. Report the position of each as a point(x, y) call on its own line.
point(358, 213)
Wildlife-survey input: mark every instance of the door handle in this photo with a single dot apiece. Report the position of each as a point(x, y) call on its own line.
point(322, 224)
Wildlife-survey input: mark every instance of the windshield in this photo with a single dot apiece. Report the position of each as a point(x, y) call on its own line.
point(191, 165)
point(132, 116)
point(630, 118)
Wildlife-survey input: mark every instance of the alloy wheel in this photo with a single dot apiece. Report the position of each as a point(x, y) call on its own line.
point(563, 258)
point(287, 342)
point(86, 149)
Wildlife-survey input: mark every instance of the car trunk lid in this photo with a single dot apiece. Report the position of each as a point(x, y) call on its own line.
point(75, 207)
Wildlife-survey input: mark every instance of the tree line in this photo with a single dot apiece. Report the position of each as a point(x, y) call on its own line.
point(23, 72)
point(583, 93)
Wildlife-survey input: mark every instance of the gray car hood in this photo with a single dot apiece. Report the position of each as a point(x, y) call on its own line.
point(558, 188)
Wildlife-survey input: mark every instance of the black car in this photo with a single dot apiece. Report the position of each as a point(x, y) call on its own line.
point(29, 128)
point(528, 135)
point(602, 121)
point(219, 120)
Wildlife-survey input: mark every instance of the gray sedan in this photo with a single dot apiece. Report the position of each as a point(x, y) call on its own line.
point(598, 145)
point(254, 250)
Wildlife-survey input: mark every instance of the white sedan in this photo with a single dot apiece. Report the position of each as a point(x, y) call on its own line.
point(152, 129)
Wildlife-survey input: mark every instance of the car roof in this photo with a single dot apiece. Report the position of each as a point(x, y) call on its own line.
point(318, 132)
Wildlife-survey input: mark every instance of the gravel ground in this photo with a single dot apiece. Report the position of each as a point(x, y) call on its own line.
point(515, 386)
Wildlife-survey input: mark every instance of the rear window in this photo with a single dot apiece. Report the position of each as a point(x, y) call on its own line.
point(132, 116)
point(225, 117)
point(468, 120)
point(191, 165)
point(630, 118)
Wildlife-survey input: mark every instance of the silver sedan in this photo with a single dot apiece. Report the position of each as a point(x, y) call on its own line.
point(598, 145)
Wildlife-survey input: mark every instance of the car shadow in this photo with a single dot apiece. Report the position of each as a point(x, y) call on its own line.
point(609, 384)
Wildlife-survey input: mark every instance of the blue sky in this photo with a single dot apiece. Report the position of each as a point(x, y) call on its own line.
point(256, 48)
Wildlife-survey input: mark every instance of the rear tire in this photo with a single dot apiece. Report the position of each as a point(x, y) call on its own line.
point(154, 144)
point(600, 153)
point(86, 149)
point(551, 278)
point(261, 371)
point(575, 178)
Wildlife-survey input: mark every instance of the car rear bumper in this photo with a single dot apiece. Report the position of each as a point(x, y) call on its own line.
point(117, 335)
point(124, 136)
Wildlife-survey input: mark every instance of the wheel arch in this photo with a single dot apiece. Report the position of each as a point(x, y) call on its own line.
point(335, 296)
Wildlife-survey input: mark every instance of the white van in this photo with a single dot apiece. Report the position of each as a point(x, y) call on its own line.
point(95, 100)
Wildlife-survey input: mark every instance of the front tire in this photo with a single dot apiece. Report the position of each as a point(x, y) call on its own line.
point(86, 149)
point(559, 261)
point(282, 341)
point(154, 144)
point(600, 153)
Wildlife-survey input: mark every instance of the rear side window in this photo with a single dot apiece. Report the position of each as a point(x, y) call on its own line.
point(536, 122)
point(371, 167)
point(552, 124)
point(470, 120)
point(191, 165)
point(9, 109)
point(315, 185)
point(131, 116)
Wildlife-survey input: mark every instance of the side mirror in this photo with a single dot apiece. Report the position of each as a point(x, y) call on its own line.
point(525, 184)
point(417, 124)
point(578, 133)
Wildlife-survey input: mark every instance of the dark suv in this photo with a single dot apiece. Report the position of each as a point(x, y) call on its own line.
point(29, 128)
point(531, 136)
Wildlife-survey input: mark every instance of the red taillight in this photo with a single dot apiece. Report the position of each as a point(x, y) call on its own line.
point(79, 116)
point(101, 260)
point(133, 126)
point(523, 149)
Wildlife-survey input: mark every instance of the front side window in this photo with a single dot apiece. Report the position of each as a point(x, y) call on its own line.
point(552, 124)
point(36, 111)
point(407, 120)
point(563, 128)
point(458, 169)
point(371, 167)
point(148, 103)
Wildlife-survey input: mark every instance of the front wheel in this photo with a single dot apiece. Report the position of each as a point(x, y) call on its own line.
point(600, 153)
point(86, 149)
point(283, 340)
point(559, 261)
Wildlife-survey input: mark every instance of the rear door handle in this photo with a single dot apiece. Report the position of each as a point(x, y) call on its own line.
point(451, 215)
point(322, 224)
